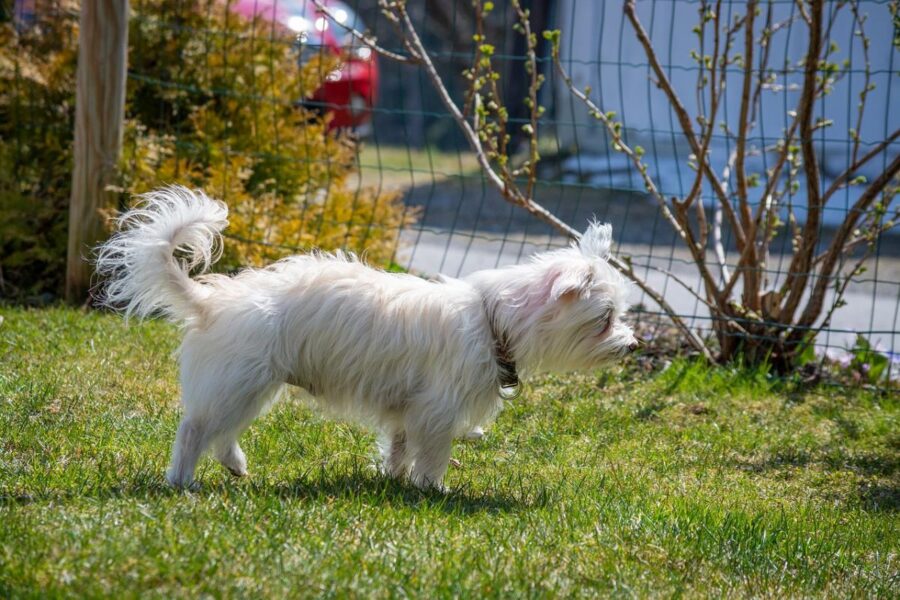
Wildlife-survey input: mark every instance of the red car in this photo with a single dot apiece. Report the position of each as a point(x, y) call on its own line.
point(348, 93)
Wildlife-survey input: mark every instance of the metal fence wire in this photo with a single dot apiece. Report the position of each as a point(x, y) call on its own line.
point(403, 146)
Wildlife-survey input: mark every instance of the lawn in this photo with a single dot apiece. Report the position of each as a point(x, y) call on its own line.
point(401, 167)
point(689, 480)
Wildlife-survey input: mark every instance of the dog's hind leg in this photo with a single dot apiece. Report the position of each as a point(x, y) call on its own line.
point(227, 450)
point(190, 442)
point(231, 456)
point(221, 397)
point(219, 425)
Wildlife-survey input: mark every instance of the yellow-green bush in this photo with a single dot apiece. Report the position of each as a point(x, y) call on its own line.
point(37, 97)
point(212, 102)
point(232, 94)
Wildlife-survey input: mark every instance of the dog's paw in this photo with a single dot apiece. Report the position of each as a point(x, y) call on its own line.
point(238, 472)
point(233, 459)
point(433, 488)
point(427, 485)
point(181, 485)
point(476, 434)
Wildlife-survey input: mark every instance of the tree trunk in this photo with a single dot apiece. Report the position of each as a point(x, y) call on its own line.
point(99, 112)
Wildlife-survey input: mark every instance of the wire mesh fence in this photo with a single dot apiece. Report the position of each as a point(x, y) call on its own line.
point(315, 141)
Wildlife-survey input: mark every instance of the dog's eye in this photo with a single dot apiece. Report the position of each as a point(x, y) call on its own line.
point(606, 326)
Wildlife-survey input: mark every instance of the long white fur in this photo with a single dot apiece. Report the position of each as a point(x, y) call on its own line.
point(413, 359)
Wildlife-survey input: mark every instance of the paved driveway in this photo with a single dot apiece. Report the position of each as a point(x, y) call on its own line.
point(872, 308)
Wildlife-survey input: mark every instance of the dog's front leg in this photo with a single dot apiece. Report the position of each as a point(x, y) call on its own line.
point(395, 454)
point(431, 456)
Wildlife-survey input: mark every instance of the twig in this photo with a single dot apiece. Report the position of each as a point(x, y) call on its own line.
point(678, 220)
point(803, 12)
point(864, 94)
point(852, 243)
point(798, 271)
point(743, 119)
point(843, 177)
point(693, 339)
point(497, 139)
point(801, 332)
point(816, 298)
point(535, 82)
point(715, 309)
point(767, 202)
point(715, 91)
point(750, 293)
point(367, 41)
point(396, 13)
point(619, 143)
point(511, 193)
point(718, 245)
point(684, 118)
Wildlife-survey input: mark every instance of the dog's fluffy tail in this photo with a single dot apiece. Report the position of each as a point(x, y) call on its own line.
point(147, 263)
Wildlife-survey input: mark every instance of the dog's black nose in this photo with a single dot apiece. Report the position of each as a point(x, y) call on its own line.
point(632, 346)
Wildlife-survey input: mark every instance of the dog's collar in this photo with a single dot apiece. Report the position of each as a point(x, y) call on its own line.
point(508, 375)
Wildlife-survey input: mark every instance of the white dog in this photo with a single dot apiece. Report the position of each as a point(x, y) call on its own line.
point(420, 361)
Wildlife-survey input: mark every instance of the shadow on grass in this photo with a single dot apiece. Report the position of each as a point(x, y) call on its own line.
point(873, 495)
point(358, 486)
point(373, 488)
point(867, 464)
point(134, 490)
point(876, 497)
point(648, 411)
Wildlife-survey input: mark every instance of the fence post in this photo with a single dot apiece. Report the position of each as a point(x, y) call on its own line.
point(99, 113)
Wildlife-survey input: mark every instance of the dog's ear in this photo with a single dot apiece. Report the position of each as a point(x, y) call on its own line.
point(571, 281)
point(597, 240)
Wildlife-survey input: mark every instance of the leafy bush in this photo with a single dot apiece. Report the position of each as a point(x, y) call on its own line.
point(212, 102)
point(37, 98)
point(231, 91)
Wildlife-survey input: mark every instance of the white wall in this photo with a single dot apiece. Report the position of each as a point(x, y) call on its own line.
point(600, 50)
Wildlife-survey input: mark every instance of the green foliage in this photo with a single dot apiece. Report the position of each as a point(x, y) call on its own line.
point(807, 355)
point(867, 363)
point(211, 103)
point(37, 98)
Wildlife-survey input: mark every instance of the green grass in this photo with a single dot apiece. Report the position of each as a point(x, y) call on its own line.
point(691, 481)
point(400, 167)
